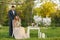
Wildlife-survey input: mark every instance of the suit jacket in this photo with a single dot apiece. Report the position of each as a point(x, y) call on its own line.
point(11, 15)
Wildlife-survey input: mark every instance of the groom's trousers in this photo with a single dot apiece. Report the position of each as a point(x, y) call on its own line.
point(10, 28)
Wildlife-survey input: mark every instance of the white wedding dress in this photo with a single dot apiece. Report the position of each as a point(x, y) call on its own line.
point(18, 31)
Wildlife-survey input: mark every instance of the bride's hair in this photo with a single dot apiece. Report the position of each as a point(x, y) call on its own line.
point(16, 18)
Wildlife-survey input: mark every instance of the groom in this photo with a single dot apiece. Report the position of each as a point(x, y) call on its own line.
point(11, 14)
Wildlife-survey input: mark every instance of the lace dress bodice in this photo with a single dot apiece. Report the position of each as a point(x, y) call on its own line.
point(17, 24)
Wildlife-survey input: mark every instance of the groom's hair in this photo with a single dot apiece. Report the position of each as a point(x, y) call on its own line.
point(13, 6)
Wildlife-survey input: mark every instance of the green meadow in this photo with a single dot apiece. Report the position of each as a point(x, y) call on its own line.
point(50, 32)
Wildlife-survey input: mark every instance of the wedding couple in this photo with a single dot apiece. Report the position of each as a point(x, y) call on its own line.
point(15, 28)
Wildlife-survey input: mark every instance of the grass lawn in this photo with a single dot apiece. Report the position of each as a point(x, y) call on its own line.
point(51, 34)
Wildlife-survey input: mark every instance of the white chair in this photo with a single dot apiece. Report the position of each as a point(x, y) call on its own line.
point(42, 35)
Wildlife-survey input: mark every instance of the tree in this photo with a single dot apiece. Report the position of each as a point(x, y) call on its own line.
point(3, 12)
point(25, 11)
point(48, 8)
point(56, 18)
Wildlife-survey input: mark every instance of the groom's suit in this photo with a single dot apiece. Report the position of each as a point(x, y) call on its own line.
point(11, 15)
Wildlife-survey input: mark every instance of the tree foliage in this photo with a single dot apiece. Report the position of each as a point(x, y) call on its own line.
point(46, 9)
point(24, 11)
point(3, 12)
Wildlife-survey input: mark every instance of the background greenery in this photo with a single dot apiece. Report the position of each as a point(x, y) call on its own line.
point(26, 11)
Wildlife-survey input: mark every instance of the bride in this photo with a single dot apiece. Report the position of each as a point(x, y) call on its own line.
point(18, 30)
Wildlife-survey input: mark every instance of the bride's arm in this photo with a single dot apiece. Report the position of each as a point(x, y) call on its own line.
point(19, 22)
point(13, 24)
